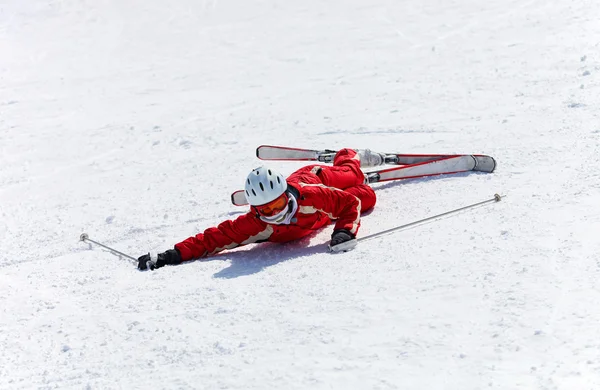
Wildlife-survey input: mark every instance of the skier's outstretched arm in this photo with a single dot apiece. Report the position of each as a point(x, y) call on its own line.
point(245, 229)
point(338, 205)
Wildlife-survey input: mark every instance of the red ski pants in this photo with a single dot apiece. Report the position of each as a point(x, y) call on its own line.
point(346, 175)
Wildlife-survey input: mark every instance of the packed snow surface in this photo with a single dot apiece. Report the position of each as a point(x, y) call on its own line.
point(134, 120)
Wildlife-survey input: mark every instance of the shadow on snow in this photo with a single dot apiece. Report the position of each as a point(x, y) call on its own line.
point(260, 256)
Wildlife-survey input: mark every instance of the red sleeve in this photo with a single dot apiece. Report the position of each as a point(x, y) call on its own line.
point(243, 230)
point(337, 204)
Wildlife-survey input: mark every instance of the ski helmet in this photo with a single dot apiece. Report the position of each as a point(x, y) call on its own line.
point(264, 185)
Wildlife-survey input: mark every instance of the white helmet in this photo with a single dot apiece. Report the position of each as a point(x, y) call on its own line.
point(264, 185)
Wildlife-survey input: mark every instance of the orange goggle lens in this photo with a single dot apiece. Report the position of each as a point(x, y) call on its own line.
point(273, 207)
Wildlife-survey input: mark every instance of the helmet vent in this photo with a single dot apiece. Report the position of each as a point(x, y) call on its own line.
point(278, 181)
point(254, 193)
point(248, 181)
point(262, 188)
point(268, 170)
point(271, 184)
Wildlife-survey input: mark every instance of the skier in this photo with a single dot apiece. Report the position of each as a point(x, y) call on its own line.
point(285, 210)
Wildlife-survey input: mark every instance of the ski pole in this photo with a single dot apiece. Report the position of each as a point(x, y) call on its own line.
point(84, 237)
point(496, 198)
point(346, 246)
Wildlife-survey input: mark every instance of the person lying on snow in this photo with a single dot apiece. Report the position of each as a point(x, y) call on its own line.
point(283, 210)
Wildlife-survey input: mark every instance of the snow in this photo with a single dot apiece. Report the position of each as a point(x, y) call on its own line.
point(134, 121)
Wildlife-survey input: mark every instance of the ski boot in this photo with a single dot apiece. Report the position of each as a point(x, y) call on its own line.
point(370, 159)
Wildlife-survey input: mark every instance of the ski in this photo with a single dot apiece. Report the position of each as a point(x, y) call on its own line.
point(433, 166)
point(284, 153)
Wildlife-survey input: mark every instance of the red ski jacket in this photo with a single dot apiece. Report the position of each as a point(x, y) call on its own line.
point(318, 205)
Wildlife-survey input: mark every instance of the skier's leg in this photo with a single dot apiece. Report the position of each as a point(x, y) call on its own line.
point(366, 157)
point(345, 171)
point(365, 194)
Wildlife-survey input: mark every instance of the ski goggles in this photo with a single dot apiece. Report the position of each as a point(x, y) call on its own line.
point(273, 207)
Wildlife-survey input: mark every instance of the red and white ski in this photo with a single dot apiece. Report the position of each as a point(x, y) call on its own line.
point(270, 152)
point(411, 165)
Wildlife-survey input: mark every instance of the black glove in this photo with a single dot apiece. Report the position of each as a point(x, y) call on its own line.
point(341, 235)
point(171, 256)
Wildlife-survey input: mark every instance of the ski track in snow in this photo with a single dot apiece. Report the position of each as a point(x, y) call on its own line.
point(135, 121)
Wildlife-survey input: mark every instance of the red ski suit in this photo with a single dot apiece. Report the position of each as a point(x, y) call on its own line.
point(326, 193)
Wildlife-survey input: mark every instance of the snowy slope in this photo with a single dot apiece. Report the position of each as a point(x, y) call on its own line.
point(134, 121)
